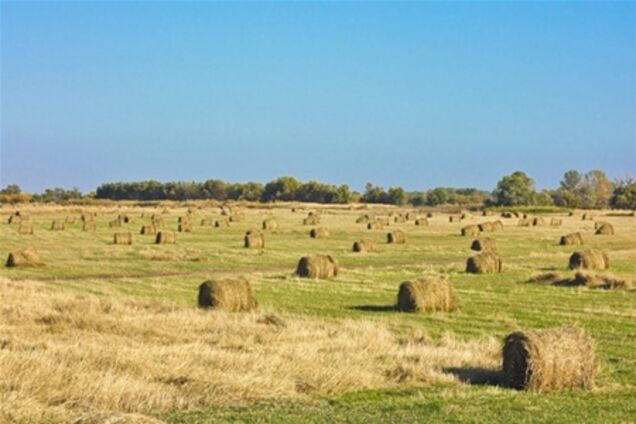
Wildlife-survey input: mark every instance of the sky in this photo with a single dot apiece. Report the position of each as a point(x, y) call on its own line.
point(415, 94)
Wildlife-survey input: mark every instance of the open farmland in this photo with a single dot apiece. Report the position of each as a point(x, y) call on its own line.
point(106, 330)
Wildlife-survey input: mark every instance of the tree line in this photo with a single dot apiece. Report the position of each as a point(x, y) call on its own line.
point(590, 190)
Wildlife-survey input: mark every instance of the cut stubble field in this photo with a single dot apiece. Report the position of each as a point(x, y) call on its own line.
point(112, 332)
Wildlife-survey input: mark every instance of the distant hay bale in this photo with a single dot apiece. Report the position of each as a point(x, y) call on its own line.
point(375, 226)
point(484, 244)
point(524, 222)
point(125, 219)
point(237, 217)
point(605, 229)
point(409, 216)
point(465, 216)
point(422, 222)
point(426, 295)
point(572, 239)
point(87, 217)
point(396, 237)
point(429, 214)
point(497, 225)
point(157, 221)
point(556, 222)
point(538, 221)
point(89, 226)
point(589, 259)
point(364, 219)
point(254, 239)
point(221, 223)
point(25, 228)
point(270, 224)
point(123, 238)
point(311, 220)
point(185, 227)
point(384, 220)
point(487, 262)
point(485, 227)
point(317, 266)
point(166, 237)
point(587, 217)
point(470, 231)
point(24, 258)
point(57, 225)
point(454, 218)
point(69, 219)
point(507, 215)
point(364, 246)
point(184, 219)
point(399, 219)
point(149, 230)
point(599, 281)
point(487, 212)
point(234, 295)
point(545, 360)
point(15, 219)
point(116, 223)
point(207, 222)
point(319, 233)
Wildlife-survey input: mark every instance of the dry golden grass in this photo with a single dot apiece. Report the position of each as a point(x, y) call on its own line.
point(64, 355)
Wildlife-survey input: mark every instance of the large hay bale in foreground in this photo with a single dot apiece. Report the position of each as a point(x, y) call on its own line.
point(484, 244)
point(23, 258)
point(234, 295)
point(254, 239)
point(487, 262)
point(572, 239)
point(545, 360)
point(25, 228)
point(317, 266)
point(470, 231)
point(89, 226)
point(426, 294)
point(396, 237)
point(364, 246)
point(123, 238)
point(485, 227)
point(589, 259)
point(270, 224)
point(57, 225)
point(150, 230)
point(422, 222)
point(319, 233)
point(605, 229)
point(166, 237)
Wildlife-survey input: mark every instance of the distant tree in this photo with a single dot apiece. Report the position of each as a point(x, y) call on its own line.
point(596, 189)
point(437, 196)
point(624, 196)
point(11, 189)
point(571, 180)
point(282, 188)
point(516, 189)
point(396, 196)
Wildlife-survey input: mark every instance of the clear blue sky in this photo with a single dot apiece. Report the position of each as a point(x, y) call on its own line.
point(411, 94)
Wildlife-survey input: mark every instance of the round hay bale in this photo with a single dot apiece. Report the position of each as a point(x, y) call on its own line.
point(454, 218)
point(24, 258)
point(422, 222)
point(545, 360)
point(425, 295)
point(123, 238)
point(524, 222)
point(150, 230)
point(25, 228)
point(319, 233)
point(364, 246)
point(587, 217)
point(166, 237)
point(57, 225)
point(484, 244)
point(364, 219)
point(470, 231)
point(125, 219)
point(221, 223)
point(157, 221)
point(311, 220)
point(605, 229)
point(116, 223)
point(486, 227)
point(507, 215)
point(399, 219)
point(15, 219)
point(429, 214)
point(185, 227)
point(396, 237)
point(254, 239)
point(89, 226)
point(556, 222)
point(270, 224)
point(538, 221)
point(589, 259)
point(487, 212)
point(234, 295)
point(487, 262)
point(184, 219)
point(497, 225)
point(572, 239)
point(87, 217)
point(207, 222)
point(375, 226)
point(237, 217)
point(69, 220)
point(317, 266)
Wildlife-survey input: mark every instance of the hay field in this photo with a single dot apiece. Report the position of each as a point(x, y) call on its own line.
point(111, 333)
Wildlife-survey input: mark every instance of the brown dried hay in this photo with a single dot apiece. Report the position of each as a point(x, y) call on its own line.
point(25, 228)
point(185, 227)
point(470, 231)
point(254, 239)
point(484, 244)
point(487, 262)
point(207, 222)
point(605, 229)
point(57, 225)
point(375, 226)
point(454, 218)
point(425, 295)
point(319, 233)
point(422, 222)
point(497, 225)
point(538, 221)
point(234, 295)
point(123, 238)
point(545, 360)
point(89, 226)
point(150, 230)
point(166, 237)
point(556, 222)
point(599, 281)
point(587, 217)
point(485, 227)
point(524, 222)
point(396, 237)
point(399, 219)
point(572, 239)
point(221, 223)
point(116, 223)
point(589, 259)
point(24, 257)
point(311, 220)
point(429, 214)
point(364, 246)
point(270, 224)
point(317, 266)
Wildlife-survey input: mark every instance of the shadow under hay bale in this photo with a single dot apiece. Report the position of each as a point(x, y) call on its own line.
point(589, 259)
point(254, 239)
point(487, 262)
point(598, 281)
point(396, 237)
point(234, 295)
point(24, 258)
point(319, 233)
point(123, 238)
point(364, 246)
point(166, 237)
point(484, 244)
point(545, 360)
point(373, 308)
point(477, 376)
point(425, 295)
point(572, 239)
point(470, 231)
point(605, 229)
point(317, 266)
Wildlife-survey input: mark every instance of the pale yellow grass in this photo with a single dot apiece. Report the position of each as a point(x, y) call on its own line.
point(65, 355)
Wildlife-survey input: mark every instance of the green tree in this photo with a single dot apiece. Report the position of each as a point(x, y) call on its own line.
point(596, 189)
point(11, 189)
point(397, 196)
point(571, 180)
point(624, 196)
point(516, 189)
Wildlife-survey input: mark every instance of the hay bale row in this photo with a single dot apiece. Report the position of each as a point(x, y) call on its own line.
point(425, 295)
point(572, 239)
point(487, 262)
point(234, 295)
point(589, 259)
point(364, 246)
point(166, 237)
point(484, 244)
point(319, 233)
point(24, 258)
point(254, 239)
point(123, 238)
point(317, 266)
point(396, 237)
point(545, 360)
